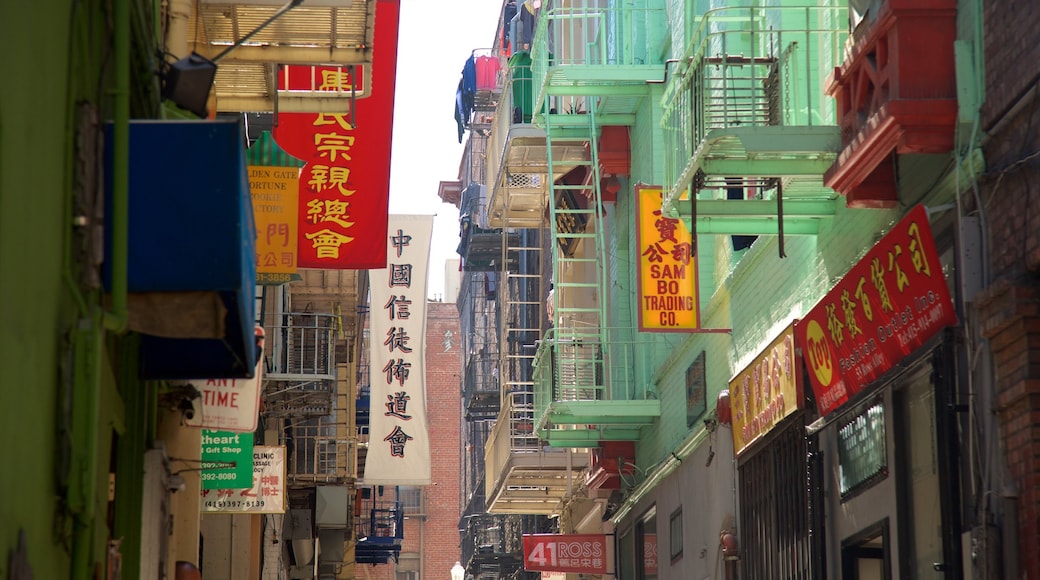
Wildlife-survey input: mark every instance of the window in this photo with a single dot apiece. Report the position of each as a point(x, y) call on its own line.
point(675, 539)
point(695, 383)
point(862, 455)
point(646, 544)
point(411, 499)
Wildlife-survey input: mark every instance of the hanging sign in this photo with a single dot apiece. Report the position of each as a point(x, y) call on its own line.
point(765, 392)
point(228, 404)
point(265, 496)
point(344, 186)
point(571, 553)
point(227, 460)
point(888, 305)
point(275, 195)
point(668, 295)
point(399, 446)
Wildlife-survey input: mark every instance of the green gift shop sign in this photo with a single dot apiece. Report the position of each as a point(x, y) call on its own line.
point(227, 460)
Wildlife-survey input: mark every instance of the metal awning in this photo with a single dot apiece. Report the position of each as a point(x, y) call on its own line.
point(317, 32)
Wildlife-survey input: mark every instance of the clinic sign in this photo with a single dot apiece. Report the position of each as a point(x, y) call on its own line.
point(766, 391)
point(668, 295)
point(570, 553)
point(266, 495)
point(888, 305)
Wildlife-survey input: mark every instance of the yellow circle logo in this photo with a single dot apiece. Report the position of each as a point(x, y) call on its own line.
point(819, 354)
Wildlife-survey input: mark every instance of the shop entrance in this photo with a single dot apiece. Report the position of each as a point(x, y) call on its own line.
point(866, 555)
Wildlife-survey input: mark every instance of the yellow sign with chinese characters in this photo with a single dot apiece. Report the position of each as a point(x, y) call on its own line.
point(765, 392)
point(275, 193)
point(668, 296)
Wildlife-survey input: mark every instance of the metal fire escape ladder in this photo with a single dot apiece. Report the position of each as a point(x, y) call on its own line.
point(520, 312)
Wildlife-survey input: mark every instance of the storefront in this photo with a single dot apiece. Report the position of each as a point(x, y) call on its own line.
point(778, 481)
point(881, 368)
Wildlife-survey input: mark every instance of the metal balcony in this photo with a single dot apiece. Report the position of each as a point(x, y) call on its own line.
point(318, 31)
point(592, 386)
point(601, 58)
point(320, 451)
point(300, 379)
point(517, 155)
point(523, 476)
point(896, 93)
point(745, 110)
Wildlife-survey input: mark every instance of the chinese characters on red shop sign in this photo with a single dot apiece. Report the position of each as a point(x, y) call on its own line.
point(889, 304)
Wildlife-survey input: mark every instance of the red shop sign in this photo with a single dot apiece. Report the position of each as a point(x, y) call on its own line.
point(573, 553)
point(888, 305)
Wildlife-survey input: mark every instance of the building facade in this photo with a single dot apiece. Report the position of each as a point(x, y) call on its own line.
point(140, 298)
point(759, 278)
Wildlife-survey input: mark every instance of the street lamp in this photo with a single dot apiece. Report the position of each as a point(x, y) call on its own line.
point(458, 572)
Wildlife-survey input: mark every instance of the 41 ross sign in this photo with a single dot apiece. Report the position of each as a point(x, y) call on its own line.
point(573, 553)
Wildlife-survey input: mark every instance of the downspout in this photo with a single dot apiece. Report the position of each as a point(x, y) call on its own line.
point(661, 471)
point(115, 318)
point(89, 338)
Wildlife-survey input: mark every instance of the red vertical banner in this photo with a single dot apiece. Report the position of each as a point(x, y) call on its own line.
point(345, 186)
point(887, 306)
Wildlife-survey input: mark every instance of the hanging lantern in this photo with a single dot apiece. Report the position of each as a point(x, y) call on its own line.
point(722, 409)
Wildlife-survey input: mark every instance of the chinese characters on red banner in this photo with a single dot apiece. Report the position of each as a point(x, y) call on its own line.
point(344, 187)
point(890, 303)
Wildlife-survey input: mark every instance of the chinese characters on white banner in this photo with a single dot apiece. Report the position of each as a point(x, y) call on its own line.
point(399, 445)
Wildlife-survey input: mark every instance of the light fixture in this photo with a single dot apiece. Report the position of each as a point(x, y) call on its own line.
point(458, 572)
point(189, 80)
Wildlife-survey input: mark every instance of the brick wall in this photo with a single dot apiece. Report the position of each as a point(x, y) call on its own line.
point(1011, 53)
point(1009, 308)
point(443, 387)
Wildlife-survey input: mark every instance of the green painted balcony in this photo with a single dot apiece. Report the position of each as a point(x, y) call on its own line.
point(592, 385)
point(596, 59)
point(746, 118)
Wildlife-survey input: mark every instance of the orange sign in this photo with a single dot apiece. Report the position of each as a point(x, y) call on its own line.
point(765, 392)
point(889, 304)
point(668, 297)
point(275, 193)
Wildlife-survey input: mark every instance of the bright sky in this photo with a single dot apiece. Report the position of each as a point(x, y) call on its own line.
point(436, 38)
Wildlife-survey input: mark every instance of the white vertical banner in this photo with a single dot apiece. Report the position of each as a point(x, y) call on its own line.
point(399, 443)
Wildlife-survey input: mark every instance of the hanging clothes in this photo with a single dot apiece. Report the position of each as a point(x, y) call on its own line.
point(508, 13)
point(487, 68)
point(460, 118)
point(527, 14)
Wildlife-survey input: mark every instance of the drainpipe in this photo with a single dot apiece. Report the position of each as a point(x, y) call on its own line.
point(115, 318)
point(661, 471)
point(87, 389)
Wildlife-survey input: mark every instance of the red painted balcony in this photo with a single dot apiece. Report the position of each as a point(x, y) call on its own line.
point(896, 94)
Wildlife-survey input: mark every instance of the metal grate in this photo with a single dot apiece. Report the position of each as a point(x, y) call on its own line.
point(525, 180)
point(775, 486)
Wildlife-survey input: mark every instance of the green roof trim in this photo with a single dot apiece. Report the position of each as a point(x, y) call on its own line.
point(266, 152)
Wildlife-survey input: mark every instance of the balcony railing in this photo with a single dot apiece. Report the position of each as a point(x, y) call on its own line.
point(300, 379)
point(320, 456)
point(593, 378)
point(603, 51)
point(748, 68)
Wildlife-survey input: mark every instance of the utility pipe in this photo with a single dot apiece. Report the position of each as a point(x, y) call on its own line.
point(661, 471)
point(87, 390)
point(115, 318)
